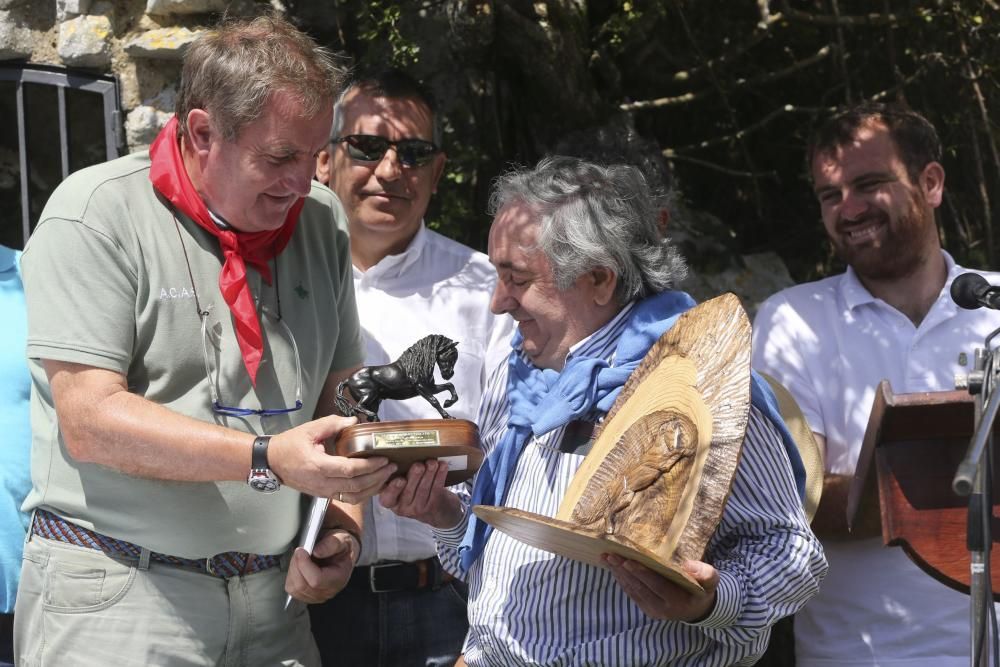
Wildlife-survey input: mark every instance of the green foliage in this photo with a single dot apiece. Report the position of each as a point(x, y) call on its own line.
point(451, 211)
point(617, 29)
point(380, 22)
point(729, 89)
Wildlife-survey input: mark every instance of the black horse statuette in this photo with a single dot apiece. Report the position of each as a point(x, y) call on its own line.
point(410, 375)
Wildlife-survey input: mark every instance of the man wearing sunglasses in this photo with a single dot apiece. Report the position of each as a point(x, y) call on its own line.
point(400, 608)
point(190, 313)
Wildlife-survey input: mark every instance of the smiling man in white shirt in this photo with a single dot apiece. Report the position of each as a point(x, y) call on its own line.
point(384, 162)
point(877, 176)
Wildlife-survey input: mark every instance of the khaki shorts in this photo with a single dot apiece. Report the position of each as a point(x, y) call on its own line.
point(76, 606)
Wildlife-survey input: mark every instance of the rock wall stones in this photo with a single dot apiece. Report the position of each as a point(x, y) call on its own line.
point(168, 7)
point(15, 40)
point(139, 41)
point(85, 41)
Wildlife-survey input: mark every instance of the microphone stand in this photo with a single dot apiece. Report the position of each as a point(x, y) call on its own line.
point(973, 479)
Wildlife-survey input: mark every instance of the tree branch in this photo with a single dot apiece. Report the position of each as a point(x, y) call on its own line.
point(984, 118)
point(842, 53)
point(822, 19)
point(890, 47)
point(701, 70)
point(738, 83)
point(724, 96)
point(739, 135)
point(789, 108)
point(764, 7)
point(673, 157)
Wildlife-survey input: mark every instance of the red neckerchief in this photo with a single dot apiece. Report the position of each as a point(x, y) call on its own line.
point(171, 180)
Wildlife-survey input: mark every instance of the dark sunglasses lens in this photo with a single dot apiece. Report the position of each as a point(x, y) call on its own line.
point(415, 152)
point(368, 148)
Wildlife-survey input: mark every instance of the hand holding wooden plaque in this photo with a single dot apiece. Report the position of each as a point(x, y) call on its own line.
point(453, 441)
point(654, 485)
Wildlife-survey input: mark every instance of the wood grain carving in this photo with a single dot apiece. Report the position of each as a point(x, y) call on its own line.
point(652, 459)
point(656, 480)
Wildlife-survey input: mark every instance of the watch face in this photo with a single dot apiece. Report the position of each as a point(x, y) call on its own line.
point(261, 481)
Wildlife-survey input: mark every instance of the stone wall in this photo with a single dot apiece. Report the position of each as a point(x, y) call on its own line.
point(140, 41)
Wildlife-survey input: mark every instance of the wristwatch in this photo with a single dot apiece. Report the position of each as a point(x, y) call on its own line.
point(261, 478)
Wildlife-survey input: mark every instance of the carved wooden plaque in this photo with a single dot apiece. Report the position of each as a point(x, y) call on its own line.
point(655, 483)
point(453, 441)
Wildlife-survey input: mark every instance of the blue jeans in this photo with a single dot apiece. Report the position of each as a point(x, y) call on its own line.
point(420, 628)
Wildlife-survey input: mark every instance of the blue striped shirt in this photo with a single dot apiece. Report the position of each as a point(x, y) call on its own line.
point(528, 606)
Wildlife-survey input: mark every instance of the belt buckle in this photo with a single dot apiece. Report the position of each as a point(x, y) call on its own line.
point(239, 568)
point(373, 569)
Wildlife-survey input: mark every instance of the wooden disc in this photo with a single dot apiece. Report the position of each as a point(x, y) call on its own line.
point(569, 541)
point(454, 441)
point(700, 369)
point(654, 485)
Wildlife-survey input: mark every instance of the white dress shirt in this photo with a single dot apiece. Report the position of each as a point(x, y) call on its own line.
point(830, 343)
point(435, 286)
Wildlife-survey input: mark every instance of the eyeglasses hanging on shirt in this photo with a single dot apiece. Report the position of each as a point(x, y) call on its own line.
point(218, 407)
point(213, 377)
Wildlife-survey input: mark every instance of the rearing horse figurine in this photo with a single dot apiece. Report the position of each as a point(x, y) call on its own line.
point(409, 376)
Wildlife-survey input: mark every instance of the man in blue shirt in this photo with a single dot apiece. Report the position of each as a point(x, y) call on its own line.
point(15, 455)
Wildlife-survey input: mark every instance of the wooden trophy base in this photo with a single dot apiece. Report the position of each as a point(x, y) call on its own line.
point(570, 541)
point(454, 441)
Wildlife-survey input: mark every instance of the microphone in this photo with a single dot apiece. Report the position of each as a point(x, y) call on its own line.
point(971, 291)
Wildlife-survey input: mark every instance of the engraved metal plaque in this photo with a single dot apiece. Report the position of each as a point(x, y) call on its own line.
point(405, 439)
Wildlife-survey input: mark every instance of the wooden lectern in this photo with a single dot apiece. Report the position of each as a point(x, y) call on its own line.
point(911, 450)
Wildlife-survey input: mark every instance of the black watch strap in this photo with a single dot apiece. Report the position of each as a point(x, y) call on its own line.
point(261, 477)
point(258, 460)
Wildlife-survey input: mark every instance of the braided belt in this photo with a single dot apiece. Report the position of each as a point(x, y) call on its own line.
point(224, 565)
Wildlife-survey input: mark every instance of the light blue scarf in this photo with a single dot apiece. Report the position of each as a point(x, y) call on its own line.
point(542, 400)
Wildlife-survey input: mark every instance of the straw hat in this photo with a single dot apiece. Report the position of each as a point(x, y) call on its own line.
point(812, 458)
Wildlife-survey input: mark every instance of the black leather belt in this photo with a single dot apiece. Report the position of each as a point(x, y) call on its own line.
point(392, 576)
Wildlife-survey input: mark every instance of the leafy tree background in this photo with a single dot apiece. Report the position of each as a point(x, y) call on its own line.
point(728, 89)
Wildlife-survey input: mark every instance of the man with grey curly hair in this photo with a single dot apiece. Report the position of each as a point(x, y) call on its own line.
point(617, 142)
point(190, 314)
point(587, 275)
point(587, 218)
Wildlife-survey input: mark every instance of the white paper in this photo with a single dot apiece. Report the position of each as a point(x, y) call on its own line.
point(455, 462)
point(317, 512)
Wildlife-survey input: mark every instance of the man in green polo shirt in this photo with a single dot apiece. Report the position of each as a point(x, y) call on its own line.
point(190, 313)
